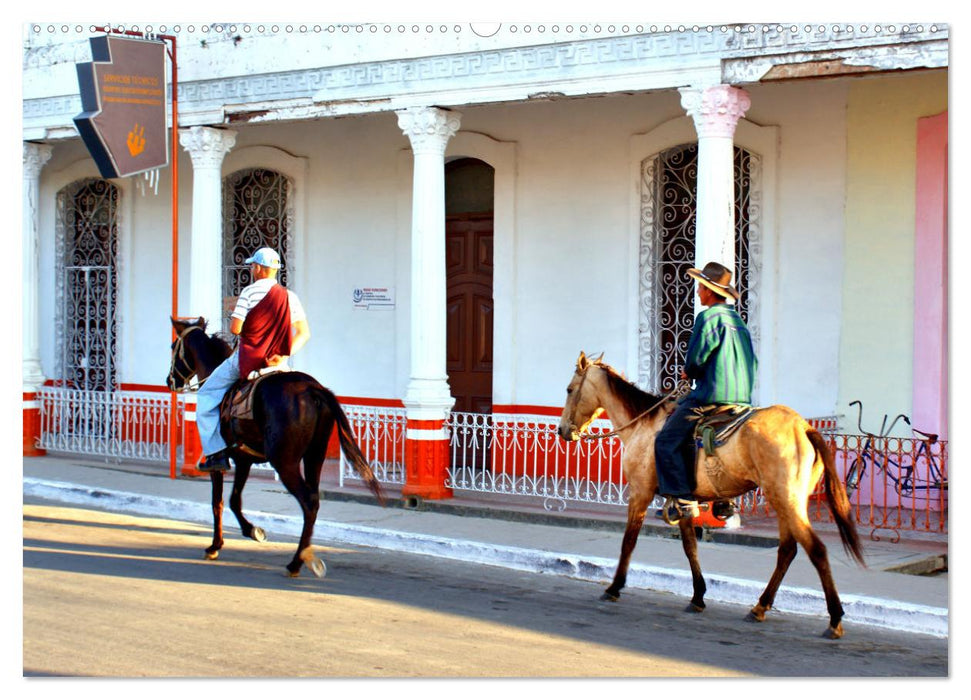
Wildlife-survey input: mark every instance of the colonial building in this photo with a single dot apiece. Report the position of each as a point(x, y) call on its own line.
point(464, 209)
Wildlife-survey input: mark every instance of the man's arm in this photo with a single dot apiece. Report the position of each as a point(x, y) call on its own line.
point(301, 334)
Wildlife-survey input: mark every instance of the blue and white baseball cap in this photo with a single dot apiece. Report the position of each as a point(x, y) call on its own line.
point(267, 257)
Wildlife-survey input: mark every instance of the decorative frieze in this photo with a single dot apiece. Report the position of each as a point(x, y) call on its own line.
point(655, 59)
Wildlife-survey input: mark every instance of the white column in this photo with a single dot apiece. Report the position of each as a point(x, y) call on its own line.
point(35, 156)
point(715, 111)
point(428, 396)
point(207, 147)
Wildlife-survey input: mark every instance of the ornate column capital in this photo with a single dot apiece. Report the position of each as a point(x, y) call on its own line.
point(36, 156)
point(715, 110)
point(207, 146)
point(428, 128)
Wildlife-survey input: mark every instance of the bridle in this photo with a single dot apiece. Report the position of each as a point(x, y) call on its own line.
point(178, 355)
point(678, 389)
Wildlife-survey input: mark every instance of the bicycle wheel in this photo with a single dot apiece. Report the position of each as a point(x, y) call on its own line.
point(853, 476)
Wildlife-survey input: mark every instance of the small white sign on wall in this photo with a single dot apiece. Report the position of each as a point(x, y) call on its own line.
point(373, 297)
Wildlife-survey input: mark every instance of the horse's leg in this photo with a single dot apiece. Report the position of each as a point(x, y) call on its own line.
point(212, 552)
point(636, 510)
point(689, 542)
point(309, 500)
point(787, 552)
point(817, 555)
point(236, 501)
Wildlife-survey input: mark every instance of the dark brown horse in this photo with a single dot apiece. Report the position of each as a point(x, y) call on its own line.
point(775, 449)
point(293, 418)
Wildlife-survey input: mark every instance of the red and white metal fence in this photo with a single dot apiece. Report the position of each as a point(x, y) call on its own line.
point(900, 484)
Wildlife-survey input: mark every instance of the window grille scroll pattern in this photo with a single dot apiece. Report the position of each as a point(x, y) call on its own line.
point(668, 205)
point(86, 252)
point(256, 213)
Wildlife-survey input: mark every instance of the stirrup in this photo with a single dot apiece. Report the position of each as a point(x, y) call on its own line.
point(723, 510)
point(680, 508)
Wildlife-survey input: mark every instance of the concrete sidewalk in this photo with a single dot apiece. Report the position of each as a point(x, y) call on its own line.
point(736, 566)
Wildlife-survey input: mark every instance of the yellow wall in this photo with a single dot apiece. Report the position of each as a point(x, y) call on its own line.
point(876, 346)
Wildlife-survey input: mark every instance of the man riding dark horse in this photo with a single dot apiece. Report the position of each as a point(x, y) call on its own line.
point(272, 326)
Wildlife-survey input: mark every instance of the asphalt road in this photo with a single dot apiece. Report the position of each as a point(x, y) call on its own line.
point(112, 595)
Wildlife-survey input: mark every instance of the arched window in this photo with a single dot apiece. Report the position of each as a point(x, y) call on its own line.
point(87, 284)
point(669, 186)
point(257, 212)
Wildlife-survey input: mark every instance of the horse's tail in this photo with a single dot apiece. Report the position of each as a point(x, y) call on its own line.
point(350, 447)
point(839, 502)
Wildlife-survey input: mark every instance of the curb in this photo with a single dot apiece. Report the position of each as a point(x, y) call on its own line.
point(876, 612)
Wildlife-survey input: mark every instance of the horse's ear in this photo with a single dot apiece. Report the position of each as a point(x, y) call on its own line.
point(581, 361)
point(596, 360)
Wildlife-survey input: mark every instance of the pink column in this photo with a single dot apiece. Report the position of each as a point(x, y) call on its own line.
point(930, 392)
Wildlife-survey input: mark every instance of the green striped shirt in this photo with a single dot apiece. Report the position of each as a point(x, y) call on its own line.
point(720, 357)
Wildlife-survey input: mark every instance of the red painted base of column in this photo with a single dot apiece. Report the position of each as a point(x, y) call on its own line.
point(426, 462)
point(191, 446)
point(32, 426)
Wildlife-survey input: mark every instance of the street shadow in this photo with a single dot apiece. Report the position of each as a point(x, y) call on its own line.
point(642, 621)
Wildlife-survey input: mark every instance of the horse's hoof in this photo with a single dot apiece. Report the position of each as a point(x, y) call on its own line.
point(211, 555)
point(755, 617)
point(318, 567)
point(293, 574)
point(258, 534)
point(834, 632)
point(610, 597)
point(695, 608)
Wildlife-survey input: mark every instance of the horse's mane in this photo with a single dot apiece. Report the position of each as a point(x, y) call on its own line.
point(634, 399)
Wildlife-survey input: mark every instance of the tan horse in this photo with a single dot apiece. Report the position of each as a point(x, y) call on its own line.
point(775, 449)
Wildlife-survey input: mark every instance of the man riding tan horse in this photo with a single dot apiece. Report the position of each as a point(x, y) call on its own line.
point(722, 363)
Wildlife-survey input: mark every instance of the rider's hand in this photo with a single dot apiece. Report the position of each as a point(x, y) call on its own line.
point(274, 360)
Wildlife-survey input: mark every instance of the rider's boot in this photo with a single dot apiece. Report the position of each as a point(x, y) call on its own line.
point(216, 462)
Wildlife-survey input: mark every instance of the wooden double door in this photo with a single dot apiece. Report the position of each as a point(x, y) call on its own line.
point(469, 269)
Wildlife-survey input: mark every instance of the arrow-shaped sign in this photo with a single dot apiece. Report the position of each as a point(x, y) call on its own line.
point(123, 98)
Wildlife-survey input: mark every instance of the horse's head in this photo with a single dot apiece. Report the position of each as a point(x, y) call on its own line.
point(184, 363)
point(583, 405)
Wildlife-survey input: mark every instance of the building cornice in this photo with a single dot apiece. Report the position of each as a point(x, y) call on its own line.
point(619, 64)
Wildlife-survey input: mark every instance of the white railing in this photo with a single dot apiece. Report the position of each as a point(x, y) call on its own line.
point(380, 433)
point(522, 455)
point(120, 424)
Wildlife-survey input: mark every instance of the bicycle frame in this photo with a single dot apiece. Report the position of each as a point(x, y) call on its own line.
point(901, 473)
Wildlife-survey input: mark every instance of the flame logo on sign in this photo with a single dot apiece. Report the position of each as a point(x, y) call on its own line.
point(136, 140)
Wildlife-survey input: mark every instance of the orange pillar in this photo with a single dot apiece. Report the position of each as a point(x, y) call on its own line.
point(191, 446)
point(426, 460)
point(32, 425)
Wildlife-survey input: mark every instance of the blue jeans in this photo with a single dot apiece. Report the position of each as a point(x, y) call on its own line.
point(210, 395)
point(674, 452)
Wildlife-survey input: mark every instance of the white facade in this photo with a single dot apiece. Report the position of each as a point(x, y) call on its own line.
point(564, 120)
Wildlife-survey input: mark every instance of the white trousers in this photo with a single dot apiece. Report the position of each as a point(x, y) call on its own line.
point(211, 394)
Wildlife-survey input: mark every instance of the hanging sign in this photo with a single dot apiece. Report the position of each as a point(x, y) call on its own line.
point(123, 98)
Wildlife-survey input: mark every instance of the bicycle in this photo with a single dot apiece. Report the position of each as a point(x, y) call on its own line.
point(901, 473)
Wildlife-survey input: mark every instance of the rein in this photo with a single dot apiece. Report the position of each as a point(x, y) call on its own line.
point(178, 353)
point(676, 391)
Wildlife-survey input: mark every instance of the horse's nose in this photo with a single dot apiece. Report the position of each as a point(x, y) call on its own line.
point(566, 432)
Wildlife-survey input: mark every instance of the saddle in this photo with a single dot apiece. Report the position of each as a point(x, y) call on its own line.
point(717, 423)
point(236, 413)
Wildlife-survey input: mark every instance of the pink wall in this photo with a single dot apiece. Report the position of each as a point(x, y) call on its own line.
point(930, 401)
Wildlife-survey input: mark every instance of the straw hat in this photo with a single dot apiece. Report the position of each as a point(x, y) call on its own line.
point(717, 278)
